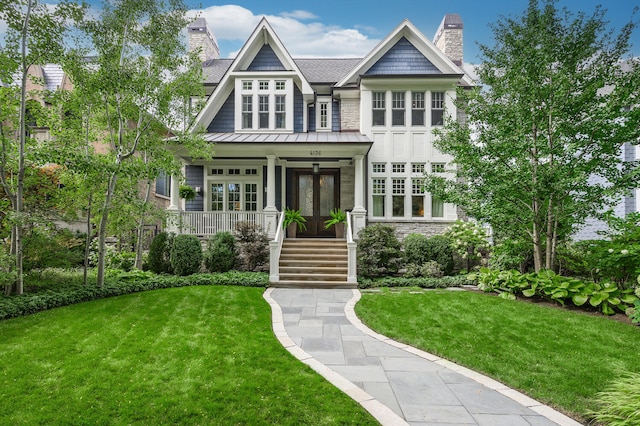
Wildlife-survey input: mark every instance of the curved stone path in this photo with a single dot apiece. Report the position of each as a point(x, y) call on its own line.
point(396, 383)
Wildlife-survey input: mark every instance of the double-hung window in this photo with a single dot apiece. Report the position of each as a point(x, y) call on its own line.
point(281, 108)
point(437, 108)
point(263, 111)
point(247, 111)
point(379, 194)
point(378, 108)
point(264, 104)
point(397, 108)
point(417, 108)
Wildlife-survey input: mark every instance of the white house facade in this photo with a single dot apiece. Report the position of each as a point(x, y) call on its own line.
point(318, 134)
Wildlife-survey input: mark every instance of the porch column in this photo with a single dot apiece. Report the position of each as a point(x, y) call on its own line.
point(173, 218)
point(359, 213)
point(270, 210)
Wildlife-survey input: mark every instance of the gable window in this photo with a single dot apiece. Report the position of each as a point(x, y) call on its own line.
point(263, 116)
point(397, 108)
point(417, 198)
point(398, 197)
point(264, 104)
point(247, 112)
point(417, 108)
point(437, 108)
point(280, 111)
point(378, 106)
point(379, 193)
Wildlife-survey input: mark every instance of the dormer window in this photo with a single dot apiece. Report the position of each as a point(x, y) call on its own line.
point(264, 105)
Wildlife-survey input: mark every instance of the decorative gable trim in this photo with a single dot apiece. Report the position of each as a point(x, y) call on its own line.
point(258, 45)
point(413, 36)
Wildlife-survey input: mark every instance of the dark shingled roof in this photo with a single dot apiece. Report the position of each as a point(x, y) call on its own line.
point(327, 71)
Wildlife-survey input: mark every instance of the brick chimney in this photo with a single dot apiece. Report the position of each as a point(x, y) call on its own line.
point(448, 37)
point(202, 39)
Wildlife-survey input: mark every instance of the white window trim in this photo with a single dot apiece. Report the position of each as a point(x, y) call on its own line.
point(328, 101)
point(227, 179)
point(255, 92)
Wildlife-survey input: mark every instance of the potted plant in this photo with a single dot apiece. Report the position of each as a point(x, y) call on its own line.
point(293, 219)
point(339, 219)
point(187, 192)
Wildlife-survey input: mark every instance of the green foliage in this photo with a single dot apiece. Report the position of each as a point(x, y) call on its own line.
point(422, 282)
point(253, 247)
point(187, 192)
point(511, 253)
point(619, 403)
point(294, 216)
point(525, 154)
point(220, 255)
point(602, 260)
point(123, 260)
point(52, 248)
point(605, 296)
point(468, 239)
point(186, 254)
point(55, 288)
point(159, 259)
point(379, 251)
point(415, 249)
point(337, 216)
point(439, 250)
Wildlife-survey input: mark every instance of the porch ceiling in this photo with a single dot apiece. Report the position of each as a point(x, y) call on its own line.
point(289, 145)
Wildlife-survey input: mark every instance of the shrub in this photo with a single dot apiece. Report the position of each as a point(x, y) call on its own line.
point(431, 269)
point(619, 404)
point(186, 254)
point(469, 241)
point(439, 250)
point(379, 251)
point(512, 254)
point(423, 282)
point(123, 260)
point(159, 258)
point(52, 248)
point(253, 248)
point(220, 255)
point(416, 249)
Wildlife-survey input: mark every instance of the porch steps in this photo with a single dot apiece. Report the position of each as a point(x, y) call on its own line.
point(313, 263)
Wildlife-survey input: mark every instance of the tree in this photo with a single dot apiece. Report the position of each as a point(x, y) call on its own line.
point(540, 148)
point(35, 36)
point(140, 71)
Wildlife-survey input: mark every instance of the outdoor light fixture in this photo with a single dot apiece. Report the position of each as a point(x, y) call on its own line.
point(316, 168)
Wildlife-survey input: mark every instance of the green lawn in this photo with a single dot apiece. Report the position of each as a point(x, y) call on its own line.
point(559, 357)
point(194, 355)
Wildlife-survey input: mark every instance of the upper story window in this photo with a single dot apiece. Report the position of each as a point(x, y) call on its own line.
point(379, 108)
point(323, 113)
point(437, 108)
point(417, 168)
point(397, 108)
point(437, 167)
point(397, 167)
point(417, 108)
point(379, 167)
point(264, 105)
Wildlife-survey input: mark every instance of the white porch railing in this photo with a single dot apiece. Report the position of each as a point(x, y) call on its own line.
point(275, 247)
point(210, 223)
point(352, 274)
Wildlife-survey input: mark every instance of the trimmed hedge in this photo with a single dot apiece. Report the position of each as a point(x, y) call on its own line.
point(117, 285)
point(423, 282)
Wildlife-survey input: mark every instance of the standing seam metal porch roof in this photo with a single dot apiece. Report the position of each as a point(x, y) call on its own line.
point(311, 137)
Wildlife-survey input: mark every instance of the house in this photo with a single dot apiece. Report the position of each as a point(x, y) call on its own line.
point(315, 134)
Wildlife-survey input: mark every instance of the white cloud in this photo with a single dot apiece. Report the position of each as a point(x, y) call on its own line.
point(232, 23)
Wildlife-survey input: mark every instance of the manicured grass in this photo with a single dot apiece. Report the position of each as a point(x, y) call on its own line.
point(194, 355)
point(560, 357)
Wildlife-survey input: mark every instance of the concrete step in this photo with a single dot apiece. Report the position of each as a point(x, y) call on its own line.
point(312, 284)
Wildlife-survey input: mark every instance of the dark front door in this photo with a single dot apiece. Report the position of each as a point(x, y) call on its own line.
point(315, 194)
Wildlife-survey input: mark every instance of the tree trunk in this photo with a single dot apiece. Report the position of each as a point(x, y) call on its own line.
point(102, 230)
point(87, 248)
point(140, 231)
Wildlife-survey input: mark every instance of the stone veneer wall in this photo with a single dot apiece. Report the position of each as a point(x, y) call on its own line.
point(202, 41)
point(350, 114)
point(347, 185)
point(426, 228)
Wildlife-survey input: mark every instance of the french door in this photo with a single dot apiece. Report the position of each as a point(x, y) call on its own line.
point(315, 194)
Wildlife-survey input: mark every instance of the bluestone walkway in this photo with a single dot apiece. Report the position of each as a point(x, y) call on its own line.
point(396, 383)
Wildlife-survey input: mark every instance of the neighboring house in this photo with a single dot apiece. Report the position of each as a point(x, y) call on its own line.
point(315, 134)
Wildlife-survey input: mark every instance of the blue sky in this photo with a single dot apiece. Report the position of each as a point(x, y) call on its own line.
point(350, 28)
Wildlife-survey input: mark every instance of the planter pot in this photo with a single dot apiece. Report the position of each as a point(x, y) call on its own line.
point(339, 230)
point(291, 230)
